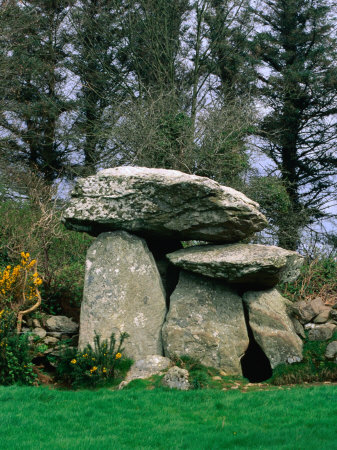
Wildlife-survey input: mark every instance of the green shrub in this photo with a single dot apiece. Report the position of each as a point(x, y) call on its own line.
point(93, 366)
point(15, 356)
point(318, 278)
point(313, 368)
point(25, 227)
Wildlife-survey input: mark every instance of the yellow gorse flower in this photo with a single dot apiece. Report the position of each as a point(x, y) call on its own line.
point(118, 355)
point(93, 369)
point(73, 361)
point(19, 279)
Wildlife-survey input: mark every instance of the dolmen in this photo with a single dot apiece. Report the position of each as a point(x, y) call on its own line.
point(207, 301)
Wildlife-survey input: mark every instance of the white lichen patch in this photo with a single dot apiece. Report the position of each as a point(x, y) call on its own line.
point(139, 320)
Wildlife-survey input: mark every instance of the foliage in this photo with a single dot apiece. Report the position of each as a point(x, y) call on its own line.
point(318, 278)
point(32, 102)
point(67, 264)
point(33, 223)
point(15, 357)
point(93, 366)
point(314, 366)
point(18, 285)
point(296, 43)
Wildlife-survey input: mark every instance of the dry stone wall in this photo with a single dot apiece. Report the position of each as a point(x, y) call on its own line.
point(219, 294)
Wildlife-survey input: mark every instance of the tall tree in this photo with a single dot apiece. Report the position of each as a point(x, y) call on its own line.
point(298, 49)
point(97, 36)
point(230, 28)
point(154, 33)
point(30, 61)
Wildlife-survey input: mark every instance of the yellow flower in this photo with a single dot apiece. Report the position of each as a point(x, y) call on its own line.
point(93, 369)
point(104, 370)
point(73, 361)
point(118, 355)
point(85, 355)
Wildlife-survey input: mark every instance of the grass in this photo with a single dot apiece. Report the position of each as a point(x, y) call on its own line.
point(292, 418)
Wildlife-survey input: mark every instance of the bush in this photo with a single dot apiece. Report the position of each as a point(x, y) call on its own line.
point(31, 221)
point(93, 367)
point(19, 287)
point(15, 356)
point(318, 279)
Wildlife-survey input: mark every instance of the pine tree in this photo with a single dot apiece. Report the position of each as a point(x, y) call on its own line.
point(297, 46)
point(97, 35)
point(32, 105)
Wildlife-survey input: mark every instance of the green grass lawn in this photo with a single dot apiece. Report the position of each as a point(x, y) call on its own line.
point(41, 418)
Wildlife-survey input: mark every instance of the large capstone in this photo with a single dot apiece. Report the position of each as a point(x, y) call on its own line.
point(271, 326)
point(249, 264)
point(159, 202)
point(206, 322)
point(123, 293)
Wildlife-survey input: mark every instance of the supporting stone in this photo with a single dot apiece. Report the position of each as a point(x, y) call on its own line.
point(206, 322)
point(271, 326)
point(123, 293)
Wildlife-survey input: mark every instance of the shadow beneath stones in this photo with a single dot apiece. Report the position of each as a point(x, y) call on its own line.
point(254, 364)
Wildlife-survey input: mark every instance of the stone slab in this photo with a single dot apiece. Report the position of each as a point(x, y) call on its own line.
point(160, 202)
point(248, 264)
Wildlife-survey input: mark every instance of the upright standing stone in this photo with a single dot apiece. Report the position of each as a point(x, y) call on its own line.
point(206, 322)
point(123, 293)
point(272, 327)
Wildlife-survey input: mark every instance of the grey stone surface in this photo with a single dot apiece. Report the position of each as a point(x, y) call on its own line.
point(123, 293)
point(176, 378)
point(323, 316)
point(56, 334)
point(331, 350)
point(40, 332)
point(305, 311)
point(36, 323)
point(252, 264)
point(61, 324)
point(321, 332)
point(271, 326)
point(145, 368)
point(159, 202)
point(50, 340)
point(298, 327)
point(206, 322)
